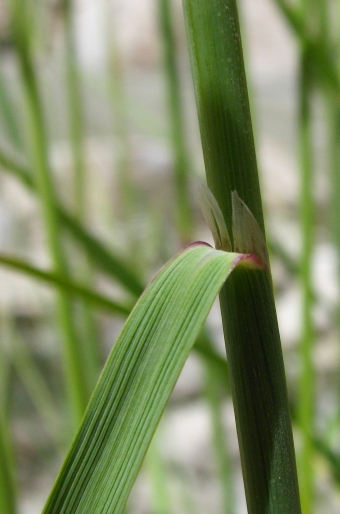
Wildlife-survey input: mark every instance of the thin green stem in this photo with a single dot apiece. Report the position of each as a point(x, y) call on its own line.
point(178, 139)
point(7, 485)
point(119, 102)
point(222, 455)
point(307, 377)
point(249, 317)
point(76, 381)
point(327, 73)
point(160, 498)
point(7, 465)
point(37, 389)
point(8, 113)
point(91, 343)
point(75, 110)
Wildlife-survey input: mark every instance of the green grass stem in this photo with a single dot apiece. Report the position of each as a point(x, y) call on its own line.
point(318, 52)
point(307, 376)
point(75, 111)
point(118, 98)
point(250, 325)
point(214, 396)
point(177, 129)
point(8, 115)
point(74, 368)
point(159, 479)
point(8, 489)
point(37, 389)
point(7, 485)
point(91, 343)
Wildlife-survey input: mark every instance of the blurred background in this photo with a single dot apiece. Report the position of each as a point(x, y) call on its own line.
point(100, 162)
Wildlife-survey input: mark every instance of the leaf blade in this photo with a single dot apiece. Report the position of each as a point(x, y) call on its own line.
point(137, 381)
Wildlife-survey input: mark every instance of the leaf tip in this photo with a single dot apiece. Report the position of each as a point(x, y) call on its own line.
point(248, 236)
point(214, 218)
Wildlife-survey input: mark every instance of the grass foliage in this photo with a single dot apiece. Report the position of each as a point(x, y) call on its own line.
point(111, 411)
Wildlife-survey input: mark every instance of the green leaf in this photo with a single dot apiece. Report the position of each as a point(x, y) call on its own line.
point(137, 381)
point(65, 284)
point(105, 259)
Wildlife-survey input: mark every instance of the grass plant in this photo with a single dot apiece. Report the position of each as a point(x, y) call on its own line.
point(165, 323)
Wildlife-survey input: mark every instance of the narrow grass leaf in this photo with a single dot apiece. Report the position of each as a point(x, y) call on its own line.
point(105, 259)
point(65, 284)
point(137, 381)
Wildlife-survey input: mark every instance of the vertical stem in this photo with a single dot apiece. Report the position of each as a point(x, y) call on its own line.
point(76, 115)
point(121, 129)
point(247, 302)
point(306, 393)
point(7, 488)
point(180, 153)
point(43, 178)
point(127, 195)
point(8, 113)
point(36, 387)
point(7, 468)
point(224, 465)
point(90, 344)
point(160, 497)
point(334, 152)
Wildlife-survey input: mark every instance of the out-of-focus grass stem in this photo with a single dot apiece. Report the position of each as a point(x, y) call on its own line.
point(160, 498)
point(9, 119)
point(332, 39)
point(222, 455)
point(7, 486)
point(128, 198)
point(117, 94)
point(180, 152)
point(307, 376)
point(37, 389)
point(75, 110)
point(318, 52)
point(91, 346)
point(7, 465)
point(38, 145)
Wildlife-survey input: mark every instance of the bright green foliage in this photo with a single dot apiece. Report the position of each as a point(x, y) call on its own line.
point(137, 381)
